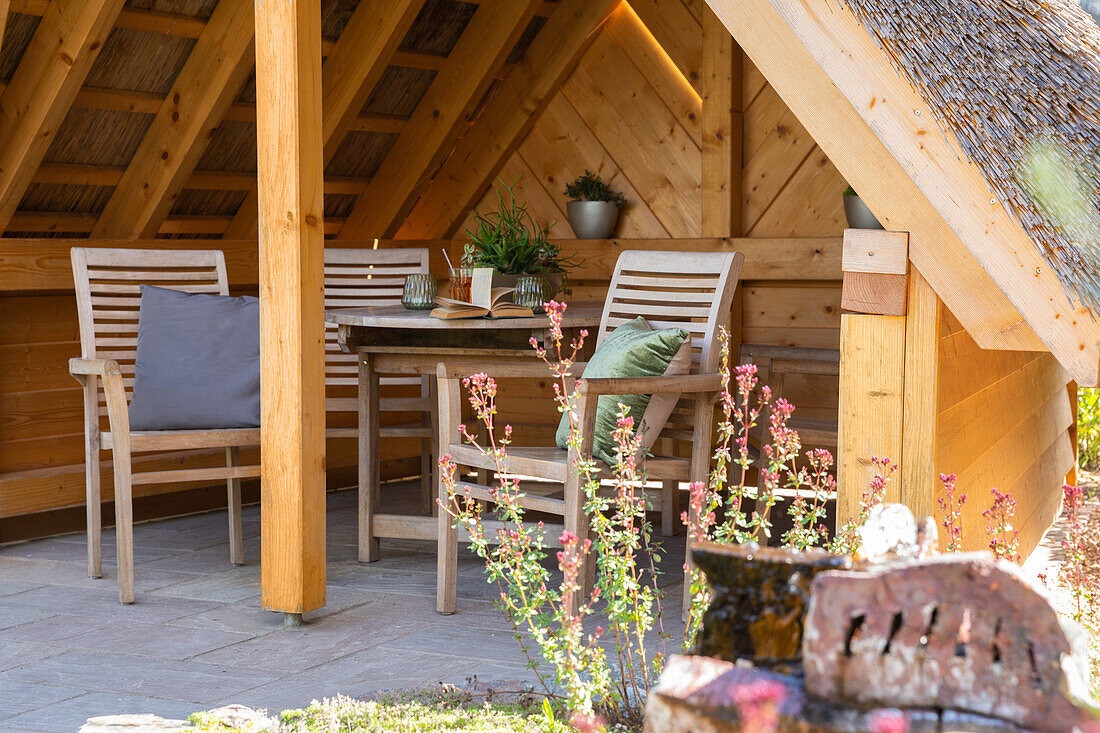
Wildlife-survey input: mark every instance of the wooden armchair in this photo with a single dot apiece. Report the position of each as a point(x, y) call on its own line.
point(693, 291)
point(108, 295)
point(374, 277)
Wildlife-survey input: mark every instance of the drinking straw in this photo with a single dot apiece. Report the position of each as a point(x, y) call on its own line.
point(450, 267)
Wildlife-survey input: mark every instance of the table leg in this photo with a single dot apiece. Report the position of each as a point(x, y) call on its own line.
point(369, 458)
point(427, 486)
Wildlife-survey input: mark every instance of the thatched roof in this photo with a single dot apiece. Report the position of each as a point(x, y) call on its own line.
point(1017, 83)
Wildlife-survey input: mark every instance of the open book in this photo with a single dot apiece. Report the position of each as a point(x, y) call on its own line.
point(485, 300)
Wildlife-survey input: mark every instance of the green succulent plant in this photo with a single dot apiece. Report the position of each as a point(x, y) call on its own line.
point(510, 240)
point(590, 187)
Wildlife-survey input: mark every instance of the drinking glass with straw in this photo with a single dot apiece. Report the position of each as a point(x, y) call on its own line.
point(461, 278)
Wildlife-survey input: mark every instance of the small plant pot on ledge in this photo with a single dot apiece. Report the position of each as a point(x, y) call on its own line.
point(858, 215)
point(593, 219)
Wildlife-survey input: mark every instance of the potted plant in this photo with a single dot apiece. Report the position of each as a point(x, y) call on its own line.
point(857, 213)
point(593, 208)
point(514, 244)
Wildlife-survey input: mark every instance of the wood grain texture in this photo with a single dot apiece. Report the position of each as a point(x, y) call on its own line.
point(459, 85)
point(501, 126)
point(722, 130)
point(872, 366)
point(290, 150)
point(219, 63)
point(918, 449)
point(1003, 420)
point(349, 75)
point(61, 53)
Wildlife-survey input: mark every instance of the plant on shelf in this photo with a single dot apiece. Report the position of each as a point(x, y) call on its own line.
point(593, 206)
point(856, 212)
point(511, 241)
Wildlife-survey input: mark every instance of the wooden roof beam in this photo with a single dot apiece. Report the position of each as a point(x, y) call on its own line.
point(202, 180)
point(832, 74)
point(349, 75)
point(189, 26)
point(505, 121)
point(459, 85)
point(121, 100)
point(53, 68)
point(218, 65)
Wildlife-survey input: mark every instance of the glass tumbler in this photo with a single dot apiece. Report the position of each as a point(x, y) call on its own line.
point(461, 279)
point(531, 292)
point(419, 292)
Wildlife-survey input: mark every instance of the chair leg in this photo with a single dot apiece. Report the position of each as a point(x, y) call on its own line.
point(236, 526)
point(124, 525)
point(92, 480)
point(427, 486)
point(433, 420)
point(446, 570)
point(369, 489)
point(670, 494)
point(576, 522)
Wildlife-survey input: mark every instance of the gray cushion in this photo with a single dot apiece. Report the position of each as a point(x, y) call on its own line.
point(198, 362)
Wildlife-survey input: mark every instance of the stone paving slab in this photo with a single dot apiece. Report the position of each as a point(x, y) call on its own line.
point(197, 638)
point(59, 717)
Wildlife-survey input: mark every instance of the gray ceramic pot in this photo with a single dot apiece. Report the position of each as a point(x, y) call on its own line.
point(593, 219)
point(858, 215)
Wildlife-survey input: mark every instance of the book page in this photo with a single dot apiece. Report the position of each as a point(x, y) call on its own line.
point(481, 287)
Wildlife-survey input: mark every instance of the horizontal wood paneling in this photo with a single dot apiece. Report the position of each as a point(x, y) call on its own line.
point(1003, 422)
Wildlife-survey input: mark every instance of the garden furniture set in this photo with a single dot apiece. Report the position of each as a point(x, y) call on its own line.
point(368, 335)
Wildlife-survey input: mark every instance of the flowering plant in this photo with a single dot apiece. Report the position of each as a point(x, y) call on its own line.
point(616, 547)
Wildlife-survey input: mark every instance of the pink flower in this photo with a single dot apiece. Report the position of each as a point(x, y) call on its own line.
point(758, 705)
point(889, 721)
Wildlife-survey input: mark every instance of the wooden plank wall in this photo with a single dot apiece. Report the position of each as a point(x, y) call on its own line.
point(41, 429)
point(1004, 421)
point(631, 111)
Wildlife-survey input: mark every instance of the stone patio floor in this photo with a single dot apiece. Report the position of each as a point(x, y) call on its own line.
point(196, 637)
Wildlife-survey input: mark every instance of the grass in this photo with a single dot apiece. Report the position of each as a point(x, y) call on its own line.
point(442, 709)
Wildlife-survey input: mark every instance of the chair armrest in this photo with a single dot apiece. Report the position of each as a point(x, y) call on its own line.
point(458, 368)
point(672, 384)
point(80, 367)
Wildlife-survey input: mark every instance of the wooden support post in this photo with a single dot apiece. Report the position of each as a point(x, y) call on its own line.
point(289, 151)
point(872, 365)
point(922, 367)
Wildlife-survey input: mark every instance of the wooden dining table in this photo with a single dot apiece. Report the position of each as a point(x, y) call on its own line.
point(395, 341)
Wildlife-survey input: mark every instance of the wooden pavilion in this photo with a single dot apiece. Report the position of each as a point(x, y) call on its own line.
point(278, 129)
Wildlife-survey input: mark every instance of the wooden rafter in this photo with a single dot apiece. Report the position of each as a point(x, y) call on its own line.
point(122, 100)
point(54, 66)
point(4, 5)
point(502, 125)
point(212, 77)
point(459, 85)
point(349, 74)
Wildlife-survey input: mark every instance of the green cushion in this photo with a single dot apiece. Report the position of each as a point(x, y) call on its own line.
point(631, 350)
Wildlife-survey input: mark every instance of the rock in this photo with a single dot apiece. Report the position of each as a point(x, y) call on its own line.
point(890, 532)
point(962, 631)
point(242, 718)
point(759, 600)
point(142, 722)
point(237, 717)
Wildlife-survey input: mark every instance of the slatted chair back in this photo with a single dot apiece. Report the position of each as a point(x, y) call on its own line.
point(108, 295)
point(689, 290)
point(360, 277)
